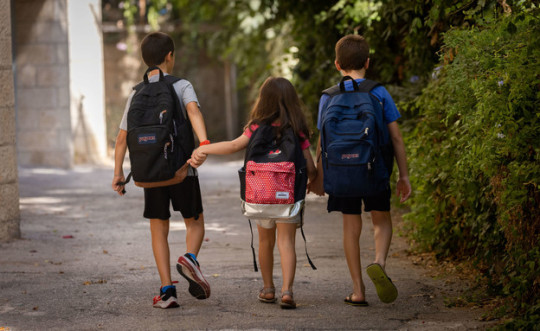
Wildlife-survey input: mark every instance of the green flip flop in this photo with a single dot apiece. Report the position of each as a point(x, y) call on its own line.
point(386, 290)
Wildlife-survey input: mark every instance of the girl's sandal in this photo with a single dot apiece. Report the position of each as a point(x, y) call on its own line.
point(287, 303)
point(267, 290)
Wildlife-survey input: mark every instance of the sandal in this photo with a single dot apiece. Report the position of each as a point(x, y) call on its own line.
point(386, 290)
point(348, 300)
point(264, 292)
point(287, 304)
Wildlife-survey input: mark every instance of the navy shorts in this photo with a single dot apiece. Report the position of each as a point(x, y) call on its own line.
point(353, 205)
point(185, 198)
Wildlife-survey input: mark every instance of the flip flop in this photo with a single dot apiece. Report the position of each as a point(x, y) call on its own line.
point(386, 290)
point(287, 304)
point(267, 290)
point(348, 300)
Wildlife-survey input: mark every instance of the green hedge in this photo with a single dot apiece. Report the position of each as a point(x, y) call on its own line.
point(474, 154)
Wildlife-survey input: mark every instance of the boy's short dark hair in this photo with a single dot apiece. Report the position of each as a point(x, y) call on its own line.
point(352, 52)
point(154, 47)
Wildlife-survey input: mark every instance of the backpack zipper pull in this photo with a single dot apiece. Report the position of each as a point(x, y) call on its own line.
point(161, 116)
point(165, 150)
point(366, 131)
point(369, 166)
point(326, 159)
point(172, 142)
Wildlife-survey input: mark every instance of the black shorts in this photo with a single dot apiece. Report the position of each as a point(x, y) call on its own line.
point(185, 197)
point(353, 205)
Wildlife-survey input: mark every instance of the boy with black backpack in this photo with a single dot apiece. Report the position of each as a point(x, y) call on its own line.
point(359, 139)
point(160, 117)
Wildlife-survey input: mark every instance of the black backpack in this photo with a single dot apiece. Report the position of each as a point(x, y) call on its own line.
point(273, 179)
point(356, 150)
point(160, 138)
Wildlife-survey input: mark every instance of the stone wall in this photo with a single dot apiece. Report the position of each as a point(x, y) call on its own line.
point(42, 83)
point(9, 188)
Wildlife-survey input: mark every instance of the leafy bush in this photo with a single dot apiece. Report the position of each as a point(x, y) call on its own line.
point(474, 154)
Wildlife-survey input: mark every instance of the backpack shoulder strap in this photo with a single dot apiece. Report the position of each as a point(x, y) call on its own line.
point(138, 86)
point(331, 91)
point(171, 79)
point(367, 85)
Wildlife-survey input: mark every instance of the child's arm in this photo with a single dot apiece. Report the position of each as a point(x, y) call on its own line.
point(316, 186)
point(221, 148)
point(311, 170)
point(197, 123)
point(403, 184)
point(119, 154)
point(197, 120)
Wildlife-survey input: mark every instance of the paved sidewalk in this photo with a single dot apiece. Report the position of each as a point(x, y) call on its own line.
point(85, 263)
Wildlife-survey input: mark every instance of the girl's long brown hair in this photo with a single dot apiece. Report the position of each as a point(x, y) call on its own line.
point(278, 102)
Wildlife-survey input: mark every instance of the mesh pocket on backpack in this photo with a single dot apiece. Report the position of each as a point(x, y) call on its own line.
point(270, 183)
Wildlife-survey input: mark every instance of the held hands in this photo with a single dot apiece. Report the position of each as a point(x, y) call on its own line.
point(197, 157)
point(117, 187)
point(316, 186)
point(403, 189)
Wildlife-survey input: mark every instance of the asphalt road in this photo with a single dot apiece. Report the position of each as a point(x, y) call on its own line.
point(85, 262)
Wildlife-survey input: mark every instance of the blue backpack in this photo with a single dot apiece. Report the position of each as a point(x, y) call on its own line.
point(356, 150)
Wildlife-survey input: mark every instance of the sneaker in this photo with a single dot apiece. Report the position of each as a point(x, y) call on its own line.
point(190, 270)
point(166, 299)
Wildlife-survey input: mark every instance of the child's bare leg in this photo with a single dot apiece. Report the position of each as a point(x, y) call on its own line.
point(286, 235)
point(352, 228)
point(267, 241)
point(159, 230)
point(194, 234)
point(382, 227)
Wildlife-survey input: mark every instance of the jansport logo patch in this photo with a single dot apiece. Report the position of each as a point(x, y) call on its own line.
point(147, 138)
point(349, 156)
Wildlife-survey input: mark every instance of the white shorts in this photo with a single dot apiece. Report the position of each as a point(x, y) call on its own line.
point(270, 223)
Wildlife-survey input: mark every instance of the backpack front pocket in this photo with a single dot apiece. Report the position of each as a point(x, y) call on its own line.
point(150, 152)
point(351, 170)
point(270, 183)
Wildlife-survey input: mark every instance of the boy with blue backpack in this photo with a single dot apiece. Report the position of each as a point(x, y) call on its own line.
point(359, 140)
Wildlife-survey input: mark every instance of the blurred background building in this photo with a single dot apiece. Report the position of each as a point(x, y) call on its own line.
point(66, 70)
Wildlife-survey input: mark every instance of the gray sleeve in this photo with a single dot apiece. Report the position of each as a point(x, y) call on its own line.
point(123, 122)
point(185, 92)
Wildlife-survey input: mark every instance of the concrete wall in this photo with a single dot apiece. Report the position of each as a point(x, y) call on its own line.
point(42, 83)
point(59, 82)
point(9, 188)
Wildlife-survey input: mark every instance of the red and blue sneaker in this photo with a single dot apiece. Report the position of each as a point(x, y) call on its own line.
point(166, 298)
point(189, 268)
